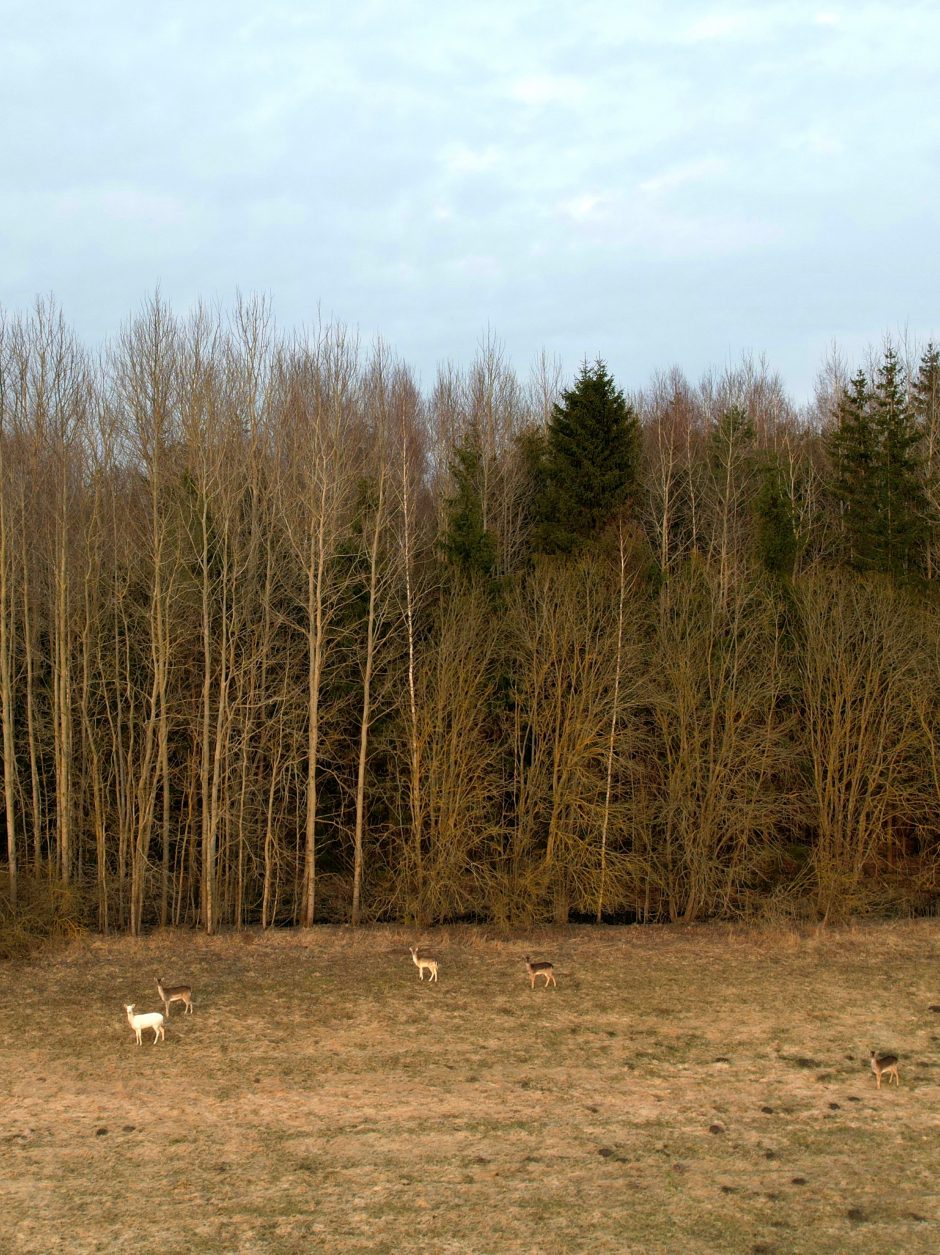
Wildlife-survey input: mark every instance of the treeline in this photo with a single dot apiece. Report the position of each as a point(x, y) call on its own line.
point(284, 639)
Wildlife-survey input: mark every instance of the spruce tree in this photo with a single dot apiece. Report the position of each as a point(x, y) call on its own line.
point(775, 534)
point(853, 448)
point(925, 402)
point(879, 473)
point(902, 502)
point(591, 462)
point(466, 544)
point(925, 395)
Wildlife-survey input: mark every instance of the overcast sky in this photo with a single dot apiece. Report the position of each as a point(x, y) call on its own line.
point(655, 184)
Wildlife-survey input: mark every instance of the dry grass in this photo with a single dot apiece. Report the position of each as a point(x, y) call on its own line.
point(682, 1090)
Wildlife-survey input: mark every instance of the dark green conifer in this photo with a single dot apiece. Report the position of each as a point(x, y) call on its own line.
point(902, 503)
point(775, 534)
point(467, 544)
point(925, 393)
point(853, 448)
point(879, 473)
point(591, 462)
point(925, 402)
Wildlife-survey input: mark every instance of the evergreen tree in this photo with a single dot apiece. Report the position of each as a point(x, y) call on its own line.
point(925, 394)
point(775, 534)
point(925, 402)
point(591, 462)
point(731, 441)
point(854, 453)
point(466, 544)
point(878, 473)
point(902, 503)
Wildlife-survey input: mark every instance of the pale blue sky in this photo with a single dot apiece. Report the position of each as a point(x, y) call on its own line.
point(656, 184)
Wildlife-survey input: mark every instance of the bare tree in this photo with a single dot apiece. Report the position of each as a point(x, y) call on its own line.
point(50, 378)
point(669, 415)
point(566, 628)
point(444, 866)
point(716, 763)
point(7, 620)
point(414, 544)
point(382, 383)
point(862, 666)
point(319, 402)
point(626, 584)
point(145, 370)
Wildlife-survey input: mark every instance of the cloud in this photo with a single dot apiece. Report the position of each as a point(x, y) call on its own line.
point(818, 141)
point(479, 267)
point(737, 25)
point(583, 207)
point(718, 26)
point(625, 225)
point(122, 204)
point(272, 107)
point(462, 159)
point(547, 89)
point(679, 175)
point(268, 212)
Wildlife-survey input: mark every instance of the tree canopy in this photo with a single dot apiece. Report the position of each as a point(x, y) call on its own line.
point(591, 462)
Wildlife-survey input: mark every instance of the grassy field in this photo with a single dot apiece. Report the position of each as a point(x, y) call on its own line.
point(682, 1090)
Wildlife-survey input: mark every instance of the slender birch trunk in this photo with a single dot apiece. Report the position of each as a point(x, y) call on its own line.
point(7, 698)
point(416, 805)
point(316, 576)
point(366, 712)
point(614, 713)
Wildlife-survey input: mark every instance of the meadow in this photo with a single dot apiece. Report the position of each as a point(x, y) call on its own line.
point(697, 1089)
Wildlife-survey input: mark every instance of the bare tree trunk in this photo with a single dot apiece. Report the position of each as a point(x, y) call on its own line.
point(316, 574)
point(145, 373)
point(614, 713)
point(366, 712)
point(415, 801)
point(62, 703)
point(98, 542)
point(35, 796)
point(209, 834)
point(315, 447)
point(7, 637)
point(270, 845)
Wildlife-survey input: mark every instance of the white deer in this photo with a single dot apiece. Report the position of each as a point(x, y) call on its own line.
point(151, 1019)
